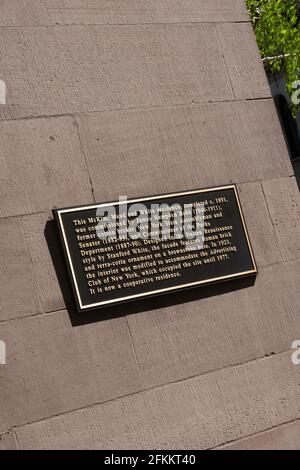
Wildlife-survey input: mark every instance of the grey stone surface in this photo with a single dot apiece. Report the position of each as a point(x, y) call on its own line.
point(53, 367)
point(259, 224)
point(145, 11)
point(5, 110)
point(79, 69)
point(282, 196)
point(296, 167)
point(18, 296)
point(199, 336)
point(40, 232)
point(23, 13)
point(41, 166)
point(194, 414)
point(284, 437)
point(243, 61)
point(142, 152)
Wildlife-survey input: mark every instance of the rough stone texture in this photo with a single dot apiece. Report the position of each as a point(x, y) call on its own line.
point(52, 368)
point(199, 146)
point(35, 226)
point(18, 293)
point(282, 196)
point(243, 62)
point(221, 406)
point(8, 441)
point(96, 68)
point(259, 225)
point(23, 13)
point(39, 159)
point(198, 336)
point(285, 437)
point(161, 95)
point(145, 11)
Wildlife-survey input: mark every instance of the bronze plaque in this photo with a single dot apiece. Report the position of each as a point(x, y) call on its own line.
point(121, 251)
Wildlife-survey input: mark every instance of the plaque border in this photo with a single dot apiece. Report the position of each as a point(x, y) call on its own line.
point(83, 307)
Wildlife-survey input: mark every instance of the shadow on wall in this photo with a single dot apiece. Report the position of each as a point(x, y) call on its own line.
point(176, 298)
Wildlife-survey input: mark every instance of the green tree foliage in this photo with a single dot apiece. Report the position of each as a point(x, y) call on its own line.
point(277, 29)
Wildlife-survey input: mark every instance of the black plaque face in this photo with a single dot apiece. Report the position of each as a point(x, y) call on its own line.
point(108, 271)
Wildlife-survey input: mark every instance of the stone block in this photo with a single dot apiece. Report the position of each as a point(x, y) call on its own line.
point(146, 152)
point(18, 294)
point(41, 166)
point(244, 65)
point(145, 11)
point(53, 367)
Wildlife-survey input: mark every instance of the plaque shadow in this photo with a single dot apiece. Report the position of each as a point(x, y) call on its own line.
point(131, 307)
